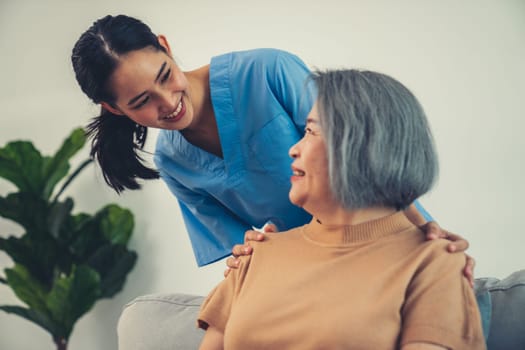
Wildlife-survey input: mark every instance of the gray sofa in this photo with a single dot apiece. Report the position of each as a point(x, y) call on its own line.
point(167, 321)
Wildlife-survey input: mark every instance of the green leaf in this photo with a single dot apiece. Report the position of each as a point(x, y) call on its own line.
point(113, 263)
point(38, 257)
point(26, 209)
point(34, 316)
point(116, 223)
point(57, 167)
point(21, 164)
point(86, 237)
point(27, 288)
point(72, 296)
point(58, 215)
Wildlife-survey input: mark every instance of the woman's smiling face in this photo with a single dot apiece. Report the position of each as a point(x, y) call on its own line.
point(310, 182)
point(151, 90)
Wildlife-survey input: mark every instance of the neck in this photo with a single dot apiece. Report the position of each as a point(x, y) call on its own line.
point(342, 216)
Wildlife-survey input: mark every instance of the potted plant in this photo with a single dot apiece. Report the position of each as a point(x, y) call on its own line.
point(63, 262)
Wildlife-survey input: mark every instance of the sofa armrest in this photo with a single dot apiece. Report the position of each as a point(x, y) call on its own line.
point(504, 301)
point(160, 322)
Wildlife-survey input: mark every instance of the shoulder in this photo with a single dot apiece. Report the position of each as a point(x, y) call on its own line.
point(269, 57)
point(264, 54)
point(278, 239)
point(435, 259)
point(422, 253)
point(265, 253)
point(164, 140)
point(164, 145)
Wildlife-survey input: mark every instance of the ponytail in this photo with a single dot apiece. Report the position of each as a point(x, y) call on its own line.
point(115, 140)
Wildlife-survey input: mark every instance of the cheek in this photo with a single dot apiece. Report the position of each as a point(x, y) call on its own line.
point(179, 81)
point(319, 162)
point(320, 173)
point(143, 116)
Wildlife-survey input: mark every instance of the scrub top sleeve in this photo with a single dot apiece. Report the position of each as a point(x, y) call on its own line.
point(422, 211)
point(212, 228)
point(292, 87)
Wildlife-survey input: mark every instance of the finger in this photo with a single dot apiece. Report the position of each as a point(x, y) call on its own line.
point(237, 250)
point(433, 231)
point(227, 272)
point(232, 263)
point(458, 246)
point(241, 249)
point(269, 228)
point(469, 267)
point(251, 235)
point(468, 271)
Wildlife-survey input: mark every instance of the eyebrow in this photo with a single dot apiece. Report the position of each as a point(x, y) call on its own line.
point(311, 120)
point(161, 70)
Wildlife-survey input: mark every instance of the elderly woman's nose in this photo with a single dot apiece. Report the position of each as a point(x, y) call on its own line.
point(294, 150)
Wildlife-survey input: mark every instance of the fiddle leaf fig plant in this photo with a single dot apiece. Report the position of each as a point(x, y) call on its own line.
point(63, 262)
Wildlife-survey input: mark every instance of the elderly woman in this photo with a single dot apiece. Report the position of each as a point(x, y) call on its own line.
point(360, 275)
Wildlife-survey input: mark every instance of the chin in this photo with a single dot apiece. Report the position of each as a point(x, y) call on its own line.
point(295, 201)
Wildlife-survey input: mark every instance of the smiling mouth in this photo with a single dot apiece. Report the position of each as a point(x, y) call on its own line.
point(175, 113)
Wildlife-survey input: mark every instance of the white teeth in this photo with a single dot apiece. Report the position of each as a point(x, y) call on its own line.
point(175, 112)
point(298, 173)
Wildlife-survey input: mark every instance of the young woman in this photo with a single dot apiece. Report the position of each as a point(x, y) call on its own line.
point(359, 275)
point(225, 128)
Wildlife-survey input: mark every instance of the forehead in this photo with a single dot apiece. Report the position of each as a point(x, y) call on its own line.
point(313, 117)
point(136, 71)
point(314, 113)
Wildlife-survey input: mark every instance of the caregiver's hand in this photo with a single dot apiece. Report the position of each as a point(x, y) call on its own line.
point(245, 249)
point(457, 244)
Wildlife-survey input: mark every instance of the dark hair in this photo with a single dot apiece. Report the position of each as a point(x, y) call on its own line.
point(380, 148)
point(115, 139)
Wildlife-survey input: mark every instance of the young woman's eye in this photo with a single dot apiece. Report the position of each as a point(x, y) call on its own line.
point(166, 76)
point(142, 103)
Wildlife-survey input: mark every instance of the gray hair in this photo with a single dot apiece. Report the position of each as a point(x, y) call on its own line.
point(380, 148)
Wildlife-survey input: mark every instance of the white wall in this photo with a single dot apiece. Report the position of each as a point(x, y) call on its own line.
point(463, 59)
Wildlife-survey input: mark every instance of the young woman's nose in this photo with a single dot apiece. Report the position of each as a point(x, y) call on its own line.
point(167, 101)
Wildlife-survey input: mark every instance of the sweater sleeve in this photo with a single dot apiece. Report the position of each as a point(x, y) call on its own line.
point(440, 306)
point(216, 308)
